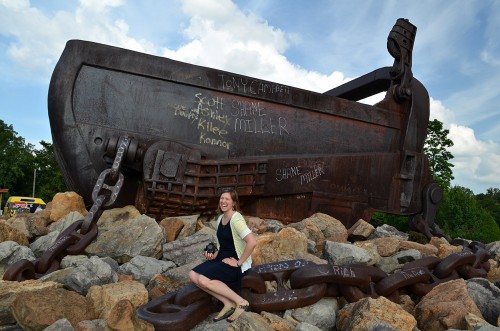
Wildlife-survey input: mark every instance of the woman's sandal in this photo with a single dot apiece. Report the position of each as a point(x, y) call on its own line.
point(238, 311)
point(226, 312)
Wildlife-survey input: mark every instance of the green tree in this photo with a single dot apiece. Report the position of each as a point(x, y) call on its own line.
point(490, 201)
point(436, 148)
point(20, 161)
point(49, 178)
point(16, 161)
point(460, 216)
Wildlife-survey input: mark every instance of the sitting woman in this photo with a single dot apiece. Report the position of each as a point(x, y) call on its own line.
point(221, 274)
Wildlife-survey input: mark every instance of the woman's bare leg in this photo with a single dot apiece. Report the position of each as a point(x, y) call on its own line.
point(217, 288)
point(195, 278)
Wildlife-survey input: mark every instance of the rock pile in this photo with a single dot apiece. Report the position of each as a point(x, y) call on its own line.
point(136, 259)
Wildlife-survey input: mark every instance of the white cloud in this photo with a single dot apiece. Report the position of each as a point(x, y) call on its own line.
point(441, 113)
point(476, 162)
point(99, 6)
point(224, 37)
point(40, 41)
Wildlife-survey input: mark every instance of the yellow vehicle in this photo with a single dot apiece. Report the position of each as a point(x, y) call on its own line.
point(23, 205)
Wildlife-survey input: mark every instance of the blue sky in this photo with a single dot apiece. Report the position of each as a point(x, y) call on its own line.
point(315, 45)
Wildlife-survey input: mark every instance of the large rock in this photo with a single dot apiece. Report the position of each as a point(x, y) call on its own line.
point(445, 307)
point(64, 203)
point(322, 314)
point(249, 321)
point(92, 272)
point(494, 272)
point(278, 323)
point(11, 252)
point(341, 254)
point(320, 227)
point(487, 298)
point(125, 238)
point(387, 230)
point(22, 223)
point(105, 298)
point(391, 264)
point(288, 244)
point(62, 324)
point(426, 250)
point(8, 233)
point(444, 247)
point(9, 291)
point(360, 230)
point(111, 217)
point(368, 313)
point(172, 226)
point(187, 250)
point(189, 227)
point(385, 246)
point(494, 250)
point(123, 317)
point(370, 248)
point(172, 280)
point(143, 268)
point(31, 308)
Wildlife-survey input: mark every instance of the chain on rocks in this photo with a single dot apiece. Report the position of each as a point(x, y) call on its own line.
point(300, 283)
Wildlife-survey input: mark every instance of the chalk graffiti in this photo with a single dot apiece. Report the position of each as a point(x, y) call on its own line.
point(312, 174)
point(261, 125)
point(412, 273)
point(247, 108)
point(210, 108)
point(305, 175)
point(191, 114)
point(212, 119)
point(286, 173)
point(281, 266)
point(251, 86)
point(343, 271)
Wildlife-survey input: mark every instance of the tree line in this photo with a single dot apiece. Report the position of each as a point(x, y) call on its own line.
point(25, 168)
point(462, 214)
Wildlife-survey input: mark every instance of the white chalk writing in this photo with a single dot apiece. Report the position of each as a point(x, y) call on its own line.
point(251, 86)
point(343, 271)
point(261, 125)
point(312, 174)
point(412, 273)
point(280, 266)
point(286, 173)
point(212, 119)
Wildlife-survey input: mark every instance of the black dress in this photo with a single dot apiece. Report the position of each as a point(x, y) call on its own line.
point(216, 269)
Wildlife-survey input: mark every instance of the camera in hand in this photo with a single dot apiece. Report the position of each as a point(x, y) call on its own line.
point(211, 248)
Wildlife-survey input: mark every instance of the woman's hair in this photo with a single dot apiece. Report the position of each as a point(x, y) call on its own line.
point(234, 196)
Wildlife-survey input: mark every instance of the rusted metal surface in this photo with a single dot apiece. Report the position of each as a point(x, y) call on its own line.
point(254, 288)
point(289, 152)
point(178, 311)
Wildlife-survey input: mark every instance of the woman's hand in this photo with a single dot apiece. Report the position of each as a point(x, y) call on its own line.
point(231, 261)
point(210, 256)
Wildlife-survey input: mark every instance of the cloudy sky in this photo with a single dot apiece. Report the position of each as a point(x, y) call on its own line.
point(315, 45)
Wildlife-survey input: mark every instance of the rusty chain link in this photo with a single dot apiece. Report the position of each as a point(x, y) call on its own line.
point(76, 237)
point(300, 283)
point(178, 311)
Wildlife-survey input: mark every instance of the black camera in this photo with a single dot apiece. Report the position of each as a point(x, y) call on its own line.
point(211, 248)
